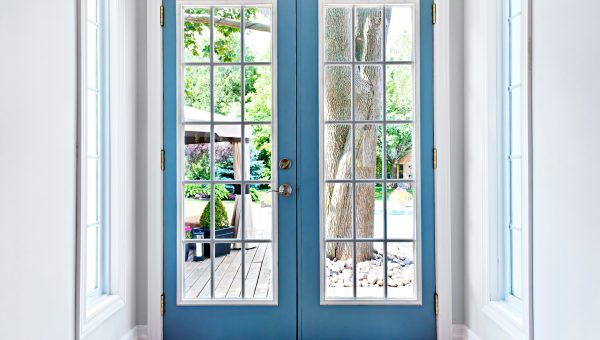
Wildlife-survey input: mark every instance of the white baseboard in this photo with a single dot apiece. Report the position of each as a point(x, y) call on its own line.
point(462, 332)
point(139, 332)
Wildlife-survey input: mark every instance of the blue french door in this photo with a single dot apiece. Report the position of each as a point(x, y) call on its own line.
point(229, 117)
point(298, 181)
point(374, 278)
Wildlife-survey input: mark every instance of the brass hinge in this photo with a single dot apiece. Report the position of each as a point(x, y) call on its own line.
point(434, 13)
point(437, 304)
point(162, 304)
point(162, 159)
point(162, 16)
point(434, 158)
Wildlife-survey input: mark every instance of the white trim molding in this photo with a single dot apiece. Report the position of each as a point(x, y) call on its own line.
point(139, 332)
point(154, 145)
point(442, 133)
point(462, 332)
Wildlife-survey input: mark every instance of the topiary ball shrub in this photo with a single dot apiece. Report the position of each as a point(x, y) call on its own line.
point(221, 218)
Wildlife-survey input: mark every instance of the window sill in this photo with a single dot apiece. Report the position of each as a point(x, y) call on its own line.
point(506, 318)
point(96, 314)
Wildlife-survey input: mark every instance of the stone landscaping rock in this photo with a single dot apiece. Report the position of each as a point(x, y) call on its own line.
point(400, 271)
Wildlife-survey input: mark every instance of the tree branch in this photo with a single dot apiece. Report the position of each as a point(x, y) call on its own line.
point(205, 19)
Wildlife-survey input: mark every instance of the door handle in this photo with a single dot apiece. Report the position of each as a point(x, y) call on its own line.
point(284, 190)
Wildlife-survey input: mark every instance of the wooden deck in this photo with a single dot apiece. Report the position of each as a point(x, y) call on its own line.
point(228, 273)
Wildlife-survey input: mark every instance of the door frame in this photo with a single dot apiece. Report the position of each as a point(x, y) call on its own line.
point(154, 183)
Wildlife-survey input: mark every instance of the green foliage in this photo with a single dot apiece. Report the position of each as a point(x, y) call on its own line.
point(197, 88)
point(221, 218)
point(199, 170)
point(254, 194)
point(193, 190)
point(399, 93)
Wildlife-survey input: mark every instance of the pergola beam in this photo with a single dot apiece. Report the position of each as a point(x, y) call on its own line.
point(219, 21)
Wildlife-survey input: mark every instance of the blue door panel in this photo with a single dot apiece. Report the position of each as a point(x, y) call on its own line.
point(353, 322)
point(234, 322)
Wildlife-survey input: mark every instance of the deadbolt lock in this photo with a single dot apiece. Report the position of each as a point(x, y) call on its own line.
point(285, 164)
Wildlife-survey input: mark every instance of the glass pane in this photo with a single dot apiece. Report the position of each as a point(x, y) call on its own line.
point(92, 10)
point(338, 210)
point(399, 39)
point(516, 190)
point(368, 92)
point(338, 34)
point(196, 152)
point(227, 271)
point(228, 152)
point(227, 38)
point(369, 210)
point(92, 56)
point(228, 96)
point(369, 279)
point(91, 256)
point(368, 33)
point(196, 270)
point(258, 93)
point(516, 50)
point(197, 93)
point(367, 150)
point(399, 92)
point(339, 275)
point(196, 35)
point(401, 219)
point(338, 93)
point(257, 38)
point(258, 164)
point(338, 157)
point(92, 123)
point(399, 160)
point(258, 263)
point(401, 270)
point(196, 200)
point(92, 189)
point(515, 6)
point(258, 208)
point(516, 260)
point(515, 122)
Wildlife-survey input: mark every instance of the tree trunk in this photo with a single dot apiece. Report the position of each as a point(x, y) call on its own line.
point(368, 87)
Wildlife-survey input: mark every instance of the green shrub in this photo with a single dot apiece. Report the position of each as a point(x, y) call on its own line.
point(221, 218)
point(221, 192)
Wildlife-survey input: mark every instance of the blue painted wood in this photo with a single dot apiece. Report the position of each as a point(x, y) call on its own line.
point(299, 313)
point(235, 322)
point(356, 322)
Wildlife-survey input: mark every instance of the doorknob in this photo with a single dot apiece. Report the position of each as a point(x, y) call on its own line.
point(284, 190)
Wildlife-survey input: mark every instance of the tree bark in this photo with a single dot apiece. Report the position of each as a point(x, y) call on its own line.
point(368, 95)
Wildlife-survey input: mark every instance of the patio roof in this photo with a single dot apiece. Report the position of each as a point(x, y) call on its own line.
point(200, 133)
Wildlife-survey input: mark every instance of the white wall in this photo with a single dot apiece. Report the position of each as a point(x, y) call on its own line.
point(37, 169)
point(566, 166)
point(37, 172)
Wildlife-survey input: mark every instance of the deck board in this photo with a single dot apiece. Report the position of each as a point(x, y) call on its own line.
point(228, 276)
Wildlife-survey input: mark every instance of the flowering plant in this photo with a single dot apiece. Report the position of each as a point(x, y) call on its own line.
point(188, 231)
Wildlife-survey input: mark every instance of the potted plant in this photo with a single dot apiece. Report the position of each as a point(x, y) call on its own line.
point(222, 229)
